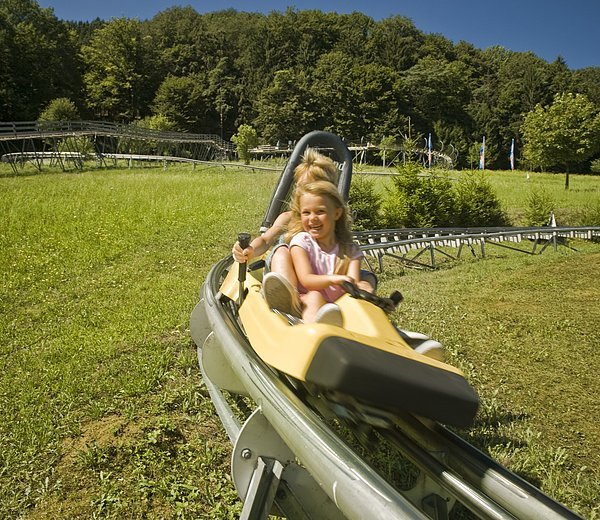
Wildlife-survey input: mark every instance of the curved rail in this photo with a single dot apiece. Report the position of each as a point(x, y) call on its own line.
point(451, 470)
point(401, 243)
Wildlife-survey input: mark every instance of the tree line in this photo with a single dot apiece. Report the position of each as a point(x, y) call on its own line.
point(287, 73)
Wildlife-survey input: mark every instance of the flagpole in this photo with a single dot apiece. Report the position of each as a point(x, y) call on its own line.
point(482, 155)
point(512, 155)
point(429, 150)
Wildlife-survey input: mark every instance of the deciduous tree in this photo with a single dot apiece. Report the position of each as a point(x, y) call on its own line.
point(563, 134)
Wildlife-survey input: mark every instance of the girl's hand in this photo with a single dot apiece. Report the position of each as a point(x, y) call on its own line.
point(242, 255)
point(337, 279)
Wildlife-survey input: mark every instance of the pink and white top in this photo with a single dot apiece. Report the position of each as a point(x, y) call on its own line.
point(323, 262)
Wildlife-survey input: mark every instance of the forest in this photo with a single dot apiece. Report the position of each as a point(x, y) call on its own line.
point(287, 73)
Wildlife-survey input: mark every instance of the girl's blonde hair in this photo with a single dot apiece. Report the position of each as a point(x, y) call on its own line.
point(343, 228)
point(316, 167)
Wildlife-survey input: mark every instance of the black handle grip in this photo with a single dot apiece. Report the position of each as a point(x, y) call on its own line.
point(244, 241)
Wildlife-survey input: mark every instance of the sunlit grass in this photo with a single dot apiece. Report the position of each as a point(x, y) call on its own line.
point(104, 413)
point(525, 330)
point(100, 271)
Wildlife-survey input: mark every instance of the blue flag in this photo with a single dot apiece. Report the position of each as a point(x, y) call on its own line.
point(482, 155)
point(429, 150)
point(512, 154)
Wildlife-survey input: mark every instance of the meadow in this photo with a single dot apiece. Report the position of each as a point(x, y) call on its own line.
point(104, 413)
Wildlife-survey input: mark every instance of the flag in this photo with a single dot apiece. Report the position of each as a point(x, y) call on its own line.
point(482, 155)
point(512, 155)
point(429, 150)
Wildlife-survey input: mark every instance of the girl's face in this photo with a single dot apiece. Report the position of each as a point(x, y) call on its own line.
point(319, 215)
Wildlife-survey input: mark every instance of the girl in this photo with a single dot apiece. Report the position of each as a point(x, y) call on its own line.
point(323, 253)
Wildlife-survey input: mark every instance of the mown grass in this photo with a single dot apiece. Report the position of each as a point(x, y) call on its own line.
point(525, 330)
point(104, 412)
point(577, 206)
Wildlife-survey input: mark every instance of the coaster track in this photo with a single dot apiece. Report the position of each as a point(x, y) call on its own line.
point(287, 456)
point(73, 141)
point(408, 245)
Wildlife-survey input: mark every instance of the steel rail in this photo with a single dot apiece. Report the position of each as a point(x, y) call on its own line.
point(398, 243)
point(355, 488)
point(483, 486)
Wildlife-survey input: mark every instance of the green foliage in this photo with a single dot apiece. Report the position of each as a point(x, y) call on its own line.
point(183, 101)
point(285, 73)
point(595, 166)
point(539, 206)
point(563, 134)
point(418, 202)
point(364, 203)
point(245, 139)
point(120, 74)
point(38, 60)
point(157, 122)
point(477, 205)
point(60, 109)
point(387, 147)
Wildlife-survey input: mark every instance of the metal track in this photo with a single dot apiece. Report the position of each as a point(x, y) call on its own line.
point(319, 475)
point(409, 245)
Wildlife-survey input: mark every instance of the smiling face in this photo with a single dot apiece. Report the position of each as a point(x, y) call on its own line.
point(319, 215)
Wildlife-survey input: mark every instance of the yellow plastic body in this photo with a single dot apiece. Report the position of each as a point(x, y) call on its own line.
point(291, 348)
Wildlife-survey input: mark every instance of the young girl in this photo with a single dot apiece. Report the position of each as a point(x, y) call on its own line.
point(322, 250)
point(280, 290)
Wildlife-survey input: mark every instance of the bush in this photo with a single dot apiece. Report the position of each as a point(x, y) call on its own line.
point(477, 204)
point(539, 206)
point(596, 166)
point(418, 202)
point(589, 215)
point(60, 109)
point(245, 139)
point(364, 203)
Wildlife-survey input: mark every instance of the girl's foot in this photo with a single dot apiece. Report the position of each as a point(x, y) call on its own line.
point(281, 295)
point(330, 314)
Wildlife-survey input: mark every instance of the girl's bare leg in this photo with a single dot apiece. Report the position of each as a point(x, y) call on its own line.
point(281, 263)
point(313, 301)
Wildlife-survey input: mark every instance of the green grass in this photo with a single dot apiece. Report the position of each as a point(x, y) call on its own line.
point(104, 412)
point(578, 206)
point(525, 330)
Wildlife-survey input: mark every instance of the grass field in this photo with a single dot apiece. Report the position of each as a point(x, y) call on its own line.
point(104, 413)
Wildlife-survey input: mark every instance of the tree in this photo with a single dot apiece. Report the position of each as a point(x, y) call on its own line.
point(245, 139)
point(285, 109)
point(60, 109)
point(38, 60)
point(563, 134)
point(182, 100)
point(120, 79)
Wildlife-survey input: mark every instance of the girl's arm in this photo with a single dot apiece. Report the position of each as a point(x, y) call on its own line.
point(354, 270)
point(261, 243)
point(310, 280)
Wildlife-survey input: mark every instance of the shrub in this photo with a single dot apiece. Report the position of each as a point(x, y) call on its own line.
point(596, 166)
point(245, 139)
point(364, 203)
point(589, 215)
point(418, 202)
point(476, 203)
point(60, 109)
point(539, 206)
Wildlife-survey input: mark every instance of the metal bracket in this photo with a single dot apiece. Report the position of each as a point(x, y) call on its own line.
point(270, 480)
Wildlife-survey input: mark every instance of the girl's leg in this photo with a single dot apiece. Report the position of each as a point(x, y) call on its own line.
point(313, 301)
point(281, 263)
